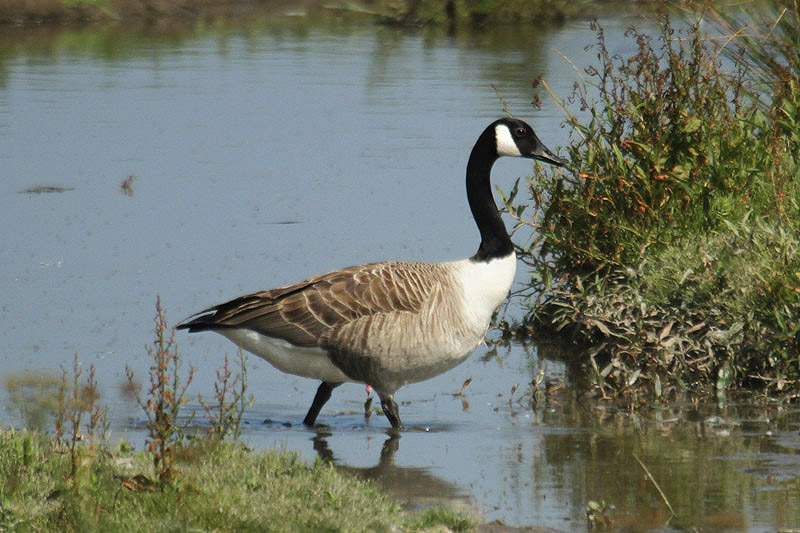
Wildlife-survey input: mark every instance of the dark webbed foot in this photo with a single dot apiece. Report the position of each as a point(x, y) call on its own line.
point(392, 412)
point(323, 395)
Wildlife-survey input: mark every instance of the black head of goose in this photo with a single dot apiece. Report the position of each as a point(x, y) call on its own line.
point(391, 323)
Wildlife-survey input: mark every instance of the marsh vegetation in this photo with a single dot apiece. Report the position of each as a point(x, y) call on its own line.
point(671, 253)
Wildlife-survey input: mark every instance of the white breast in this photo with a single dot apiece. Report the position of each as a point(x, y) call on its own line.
point(484, 286)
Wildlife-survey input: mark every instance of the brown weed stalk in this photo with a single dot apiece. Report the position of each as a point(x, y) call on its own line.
point(164, 397)
point(75, 403)
point(230, 400)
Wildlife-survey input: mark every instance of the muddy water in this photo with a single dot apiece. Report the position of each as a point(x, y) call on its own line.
point(198, 164)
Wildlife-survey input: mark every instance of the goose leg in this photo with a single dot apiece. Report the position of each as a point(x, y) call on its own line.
point(391, 411)
point(323, 395)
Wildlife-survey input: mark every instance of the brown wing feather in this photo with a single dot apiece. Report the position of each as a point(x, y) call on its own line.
point(305, 313)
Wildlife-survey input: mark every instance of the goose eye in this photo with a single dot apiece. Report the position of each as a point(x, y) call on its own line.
point(520, 132)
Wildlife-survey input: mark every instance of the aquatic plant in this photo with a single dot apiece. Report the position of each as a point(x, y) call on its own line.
point(671, 253)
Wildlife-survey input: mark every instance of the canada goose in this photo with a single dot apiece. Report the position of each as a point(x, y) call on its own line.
point(392, 323)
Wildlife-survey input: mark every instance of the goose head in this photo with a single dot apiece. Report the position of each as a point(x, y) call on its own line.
point(503, 137)
point(515, 138)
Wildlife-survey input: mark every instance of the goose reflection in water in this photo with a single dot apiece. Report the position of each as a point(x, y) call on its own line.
point(414, 487)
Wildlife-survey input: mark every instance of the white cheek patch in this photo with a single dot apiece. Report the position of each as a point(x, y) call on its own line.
point(505, 143)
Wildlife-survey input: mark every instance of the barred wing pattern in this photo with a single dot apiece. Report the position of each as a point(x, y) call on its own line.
point(307, 313)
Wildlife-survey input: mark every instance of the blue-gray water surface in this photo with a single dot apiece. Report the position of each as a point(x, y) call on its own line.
point(203, 164)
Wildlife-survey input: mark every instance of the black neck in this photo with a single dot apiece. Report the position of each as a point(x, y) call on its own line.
point(495, 241)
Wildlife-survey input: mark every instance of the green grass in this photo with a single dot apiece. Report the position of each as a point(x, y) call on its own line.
point(442, 517)
point(670, 252)
point(221, 487)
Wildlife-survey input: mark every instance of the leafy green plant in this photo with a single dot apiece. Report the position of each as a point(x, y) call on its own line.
point(668, 149)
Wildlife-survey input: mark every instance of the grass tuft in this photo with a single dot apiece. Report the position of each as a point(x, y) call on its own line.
point(447, 519)
point(225, 487)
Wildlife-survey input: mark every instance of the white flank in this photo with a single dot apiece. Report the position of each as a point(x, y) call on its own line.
point(485, 287)
point(505, 143)
point(300, 361)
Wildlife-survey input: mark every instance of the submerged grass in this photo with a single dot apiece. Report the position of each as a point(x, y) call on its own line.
point(671, 253)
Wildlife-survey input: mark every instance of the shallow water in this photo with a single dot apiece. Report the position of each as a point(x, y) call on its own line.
point(271, 150)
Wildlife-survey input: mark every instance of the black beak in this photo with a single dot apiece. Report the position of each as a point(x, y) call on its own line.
point(543, 154)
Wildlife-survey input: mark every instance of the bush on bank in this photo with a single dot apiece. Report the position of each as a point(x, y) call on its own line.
point(669, 251)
